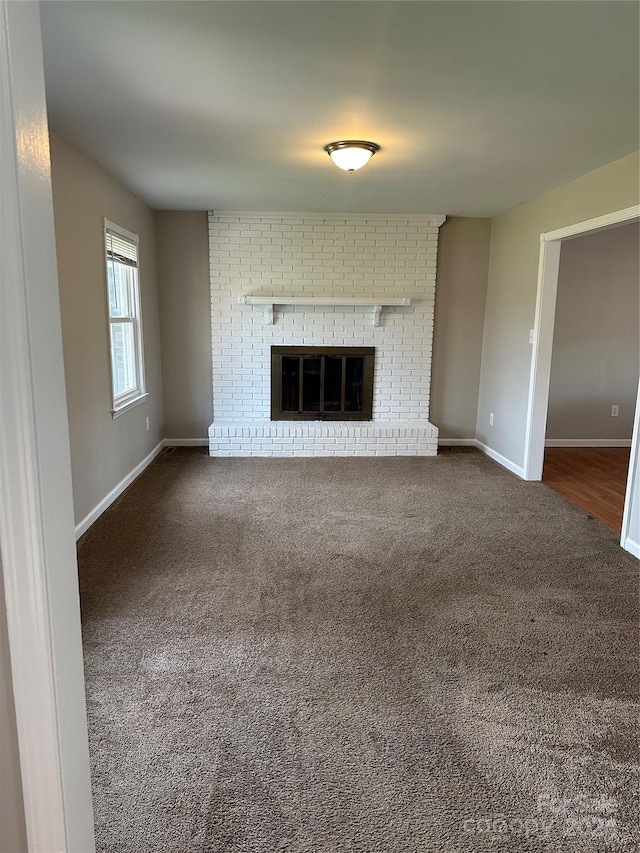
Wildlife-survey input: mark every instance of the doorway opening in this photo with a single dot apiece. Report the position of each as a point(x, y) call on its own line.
point(594, 371)
point(571, 422)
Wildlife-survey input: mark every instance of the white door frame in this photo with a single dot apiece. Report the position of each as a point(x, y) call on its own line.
point(632, 495)
point(548, 270)
point(37, 541)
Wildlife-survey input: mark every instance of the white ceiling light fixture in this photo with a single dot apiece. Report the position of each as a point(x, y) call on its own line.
point(351, 154)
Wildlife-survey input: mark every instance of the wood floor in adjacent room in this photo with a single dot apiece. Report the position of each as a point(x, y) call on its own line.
point(593, 478)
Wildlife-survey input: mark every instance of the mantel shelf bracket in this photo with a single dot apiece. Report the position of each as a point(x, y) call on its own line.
point(376, 314)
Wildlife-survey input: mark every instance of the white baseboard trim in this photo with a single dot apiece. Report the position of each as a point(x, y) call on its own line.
point(518, 470)
point(106, 502)
point(186, 442)
point(588, 442)
point(632, 547)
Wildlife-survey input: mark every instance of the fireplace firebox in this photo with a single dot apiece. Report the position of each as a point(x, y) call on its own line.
point(321, 383)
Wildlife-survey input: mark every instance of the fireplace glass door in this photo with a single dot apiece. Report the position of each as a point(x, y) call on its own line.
point(321, 383)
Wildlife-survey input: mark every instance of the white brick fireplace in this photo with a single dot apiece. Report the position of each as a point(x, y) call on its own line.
point(325, 258)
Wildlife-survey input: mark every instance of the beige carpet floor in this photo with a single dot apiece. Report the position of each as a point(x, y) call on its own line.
point(362, 655)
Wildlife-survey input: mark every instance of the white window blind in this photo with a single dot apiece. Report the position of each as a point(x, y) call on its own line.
point(121, 248)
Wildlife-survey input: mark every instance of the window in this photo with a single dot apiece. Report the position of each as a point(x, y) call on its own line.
point(125, 322)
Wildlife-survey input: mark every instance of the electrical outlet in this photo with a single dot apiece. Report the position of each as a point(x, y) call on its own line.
point(614, 411)
point(531, 335)
point(490, 418)
point(147, 424)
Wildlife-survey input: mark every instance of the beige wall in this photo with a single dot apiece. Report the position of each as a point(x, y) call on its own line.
point(103, 449)
point(13, 838)
point(596, 344)
point(512, 287)
point(461, 292)
point(185, 322)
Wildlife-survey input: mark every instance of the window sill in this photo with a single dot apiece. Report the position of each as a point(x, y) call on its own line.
point(115, 413)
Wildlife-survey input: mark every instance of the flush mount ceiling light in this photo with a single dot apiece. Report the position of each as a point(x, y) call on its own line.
point(351, 154)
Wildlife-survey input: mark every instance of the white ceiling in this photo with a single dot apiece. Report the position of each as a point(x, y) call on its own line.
point(477, 105)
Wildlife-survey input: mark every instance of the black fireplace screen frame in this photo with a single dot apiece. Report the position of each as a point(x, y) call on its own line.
point(364, 413)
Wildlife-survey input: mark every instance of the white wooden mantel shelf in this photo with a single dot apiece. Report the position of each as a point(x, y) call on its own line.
point(269, 303)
